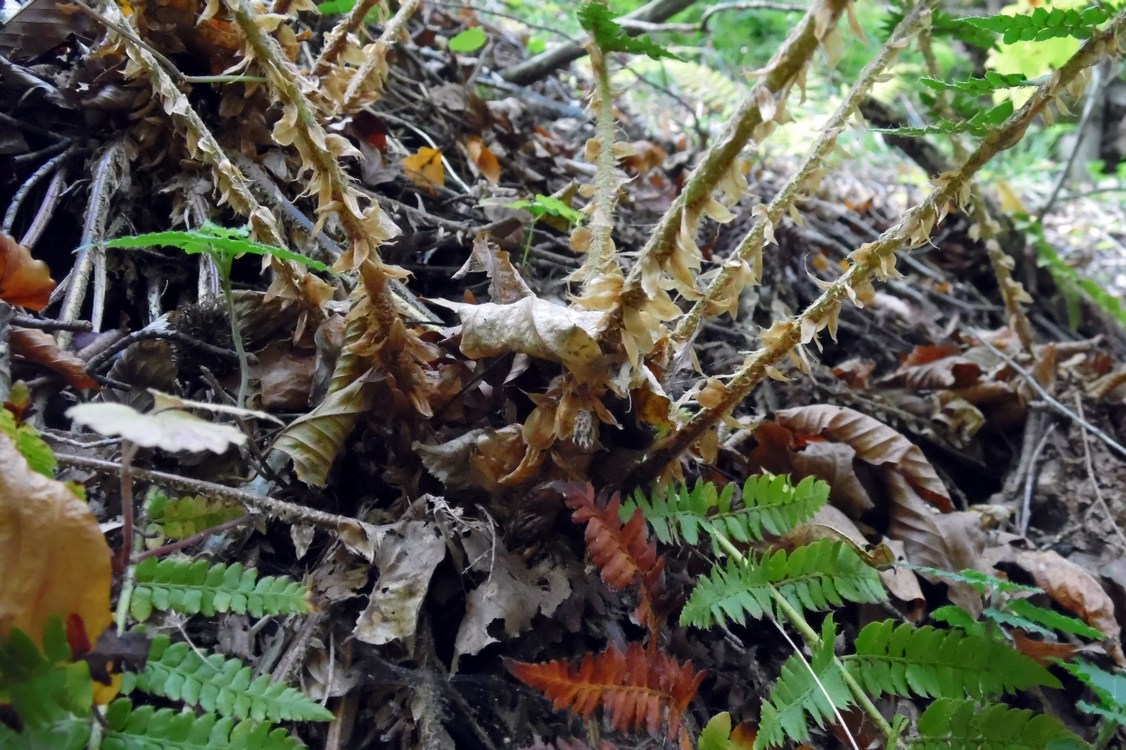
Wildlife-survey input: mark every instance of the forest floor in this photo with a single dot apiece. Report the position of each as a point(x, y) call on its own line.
point(475, 563)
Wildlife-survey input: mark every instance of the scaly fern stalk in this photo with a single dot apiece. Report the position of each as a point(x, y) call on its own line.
point(744, 265)
point(1013, 294)
point(596, 237)
point(216, 684)
point(877, 259)
point(365, 228)
point(367, 83)
point(672, 244)
point(202, 145)
point(337, 40)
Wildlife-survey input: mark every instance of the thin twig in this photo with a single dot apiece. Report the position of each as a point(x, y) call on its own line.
point(1051, 401)
point(1099, 499)
point(1030, 481)
point(50, 324)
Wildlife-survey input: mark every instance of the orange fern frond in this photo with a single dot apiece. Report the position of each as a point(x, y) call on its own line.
point(634, 688)
point(623, 552)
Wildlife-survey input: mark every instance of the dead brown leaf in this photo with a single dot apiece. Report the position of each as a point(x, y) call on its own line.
point(41, 348)
point(24, 281)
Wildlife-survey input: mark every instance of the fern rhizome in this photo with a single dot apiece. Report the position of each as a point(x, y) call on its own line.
point(759, 575)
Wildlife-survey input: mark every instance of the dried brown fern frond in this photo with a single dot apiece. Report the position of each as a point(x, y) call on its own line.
point(636, 688)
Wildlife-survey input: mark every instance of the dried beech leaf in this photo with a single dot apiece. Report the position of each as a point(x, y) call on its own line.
point(832, 462)
point(24, 281)
point(40, 347)
point(170, 430)
point(407, 555)
point(875, 443)
point(530, 326)
point(1076, 590)
point(314, 440)
point(54, 558)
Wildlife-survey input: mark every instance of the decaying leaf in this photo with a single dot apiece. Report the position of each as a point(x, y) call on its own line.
point(54, 558)
point(40, 347)
point(531, 326)
point(170, 430)
point(406, 557)
point(424, 168)
point(482, 158)
point(24, 281)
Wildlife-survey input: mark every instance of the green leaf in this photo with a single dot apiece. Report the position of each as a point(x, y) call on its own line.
point(597, 19)
point(716, 734)
point(949, 724)
point(929, 662)
point(215, 240)
point(45, 687)
point(536, 45)
point(981, 582)
point(1027, 615)
point(182, 517)
point(194, 586)
point(178, 671)
point(470, 40)
point(39, 455)
point(1109, 687)
point(957, 617)
point(147, 728)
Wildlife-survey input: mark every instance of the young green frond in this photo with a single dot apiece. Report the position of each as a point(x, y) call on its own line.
point(948, 724)
point(925, 661)
point(816, 577)
point(220, 685)
point(979, 125)
point(1043, 24)
point(146, 728)
point(803, 691)
point(1108, 687)
point(182, 517)
point(770, 505)
point(195, 586)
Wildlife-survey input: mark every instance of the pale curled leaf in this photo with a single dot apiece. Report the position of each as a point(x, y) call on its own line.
point(531, 326)
point(407, 556)
point(165, 401)
point(170, 430)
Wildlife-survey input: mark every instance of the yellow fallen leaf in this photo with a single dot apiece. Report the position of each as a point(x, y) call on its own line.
point(482, 158)
point(54, 558)
point(424, 168)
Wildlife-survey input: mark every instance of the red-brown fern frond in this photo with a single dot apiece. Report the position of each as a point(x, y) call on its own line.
point(623, 552)
point(635, 688)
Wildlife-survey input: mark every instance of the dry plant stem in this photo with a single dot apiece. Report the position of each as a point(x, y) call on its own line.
point(1030, 482)
point(989, 230)
point(46, 168)
point(1099, 499)
point(128, 451)
point(601, 257)
point(750, 248)
point(337, 39)
point(276, 509)
point(376, 57)
point(878, 257)
point(91, 260)
point(46, 209)
point(781, 73)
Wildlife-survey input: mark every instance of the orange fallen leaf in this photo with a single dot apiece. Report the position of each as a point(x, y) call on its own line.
point(24, 281)
point(482, 158)
point(424, 168)
point(55, 559)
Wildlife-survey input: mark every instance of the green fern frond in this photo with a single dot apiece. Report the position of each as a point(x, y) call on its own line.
point(770, 504)
point(1023, 614)
point(194, 586)
point(796, 697)
point(182, 517)
point(925, 661)
point(1043, 24)
point(987, 84)
point(816, 577)
point(43, 686)
point(980, 124)
point(956, 724)
point(147, 728)
point(219, 685)
point(1109, 687)
point(37, 453)
point(980, 582)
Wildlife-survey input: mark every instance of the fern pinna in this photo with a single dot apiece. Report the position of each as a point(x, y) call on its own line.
point(641, 687)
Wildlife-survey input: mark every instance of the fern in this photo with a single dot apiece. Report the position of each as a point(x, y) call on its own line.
point(44, 686)
point(1023, 614)
point(212, 239)
point(147, 728)
point(1108, 687)
point(195, 586)
point(818, 576)
point(220, 685)
point(796, 696)
point(770, 504)
point(635, 688)
point(925, 661)
point(1043, 24)
point(987, 84)
point(37, 453)
point(979, 125)
point(182, 517)
point(950, 724)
